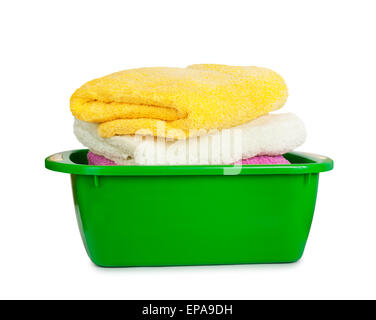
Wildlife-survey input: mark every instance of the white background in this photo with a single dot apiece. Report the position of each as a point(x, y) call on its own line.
point(326, 52)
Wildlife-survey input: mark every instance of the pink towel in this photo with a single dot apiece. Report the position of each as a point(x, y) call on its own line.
point(264, 160)
point(97, 160)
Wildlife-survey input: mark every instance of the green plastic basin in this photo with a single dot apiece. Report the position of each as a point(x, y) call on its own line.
point(193, 215)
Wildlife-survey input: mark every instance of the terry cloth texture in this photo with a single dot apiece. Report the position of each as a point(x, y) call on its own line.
point(272, 134)
point(96, 160)
point(264, 160)
point(176, 102)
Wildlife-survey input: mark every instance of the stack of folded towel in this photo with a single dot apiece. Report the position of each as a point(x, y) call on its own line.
point(202, 114)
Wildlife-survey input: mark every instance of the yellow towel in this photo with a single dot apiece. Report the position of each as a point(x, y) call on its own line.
point(183, 100)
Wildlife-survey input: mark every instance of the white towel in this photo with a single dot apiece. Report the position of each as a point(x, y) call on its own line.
point(271, 134)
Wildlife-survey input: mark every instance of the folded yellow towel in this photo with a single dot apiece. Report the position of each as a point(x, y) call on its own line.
point(183, 100)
